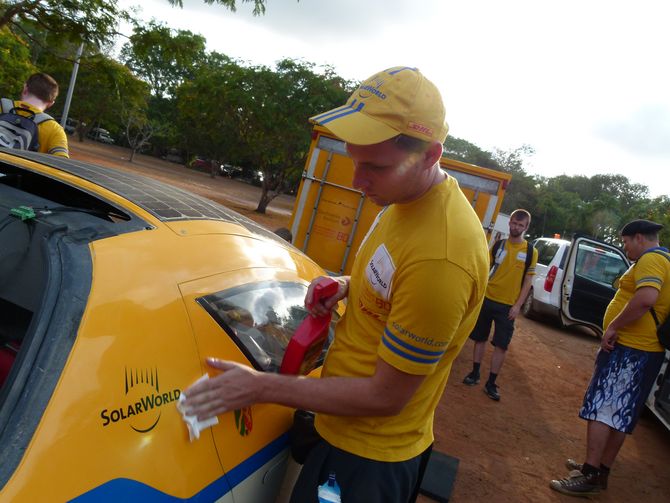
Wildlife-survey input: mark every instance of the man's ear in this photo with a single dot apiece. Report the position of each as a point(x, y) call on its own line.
point(432, 154)
point(49, 104)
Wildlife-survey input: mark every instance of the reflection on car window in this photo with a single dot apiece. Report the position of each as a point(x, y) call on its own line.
point(546, 252)
point(261, 318)
point(599, 265)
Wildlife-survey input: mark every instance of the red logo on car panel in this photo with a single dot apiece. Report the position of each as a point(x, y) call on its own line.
point(243, 421)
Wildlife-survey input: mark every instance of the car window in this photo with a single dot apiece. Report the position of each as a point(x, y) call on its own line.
point(598, 264)
point(261, 318)
point(546, 251)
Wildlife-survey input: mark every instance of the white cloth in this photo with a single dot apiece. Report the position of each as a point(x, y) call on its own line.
point(194, 426)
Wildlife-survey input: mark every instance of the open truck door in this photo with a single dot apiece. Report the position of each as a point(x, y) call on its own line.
point(590, 280)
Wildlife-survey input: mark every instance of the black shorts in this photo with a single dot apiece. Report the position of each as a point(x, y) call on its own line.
point(361, 480)
point(493, 311)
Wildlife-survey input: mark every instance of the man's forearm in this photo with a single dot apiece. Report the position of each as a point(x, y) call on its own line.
point(630, 314)
point(341, 396)
point(527, 282)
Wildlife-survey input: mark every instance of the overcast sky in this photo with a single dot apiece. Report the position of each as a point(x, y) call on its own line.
point(586, 83)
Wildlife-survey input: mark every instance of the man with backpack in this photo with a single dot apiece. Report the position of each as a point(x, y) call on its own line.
point(25, 126)
point(628, 362)
point(512, 267)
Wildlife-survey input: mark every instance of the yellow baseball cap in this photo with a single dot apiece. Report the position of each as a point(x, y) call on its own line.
point(396, 101)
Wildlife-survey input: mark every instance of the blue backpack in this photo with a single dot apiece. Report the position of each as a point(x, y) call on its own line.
point(19, 130)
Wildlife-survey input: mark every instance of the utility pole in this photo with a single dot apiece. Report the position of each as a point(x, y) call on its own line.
point(70, 90)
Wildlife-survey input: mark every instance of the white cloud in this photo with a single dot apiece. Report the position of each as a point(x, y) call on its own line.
point(646, 131)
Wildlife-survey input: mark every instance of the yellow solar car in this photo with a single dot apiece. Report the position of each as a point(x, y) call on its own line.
point(113, 290)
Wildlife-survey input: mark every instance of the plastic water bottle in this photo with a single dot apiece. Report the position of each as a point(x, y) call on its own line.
point(329, 492)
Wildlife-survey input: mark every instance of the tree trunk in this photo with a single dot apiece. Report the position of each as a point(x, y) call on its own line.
point(264, 200)
point(266, 195)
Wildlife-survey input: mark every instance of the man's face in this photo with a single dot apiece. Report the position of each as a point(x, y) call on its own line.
point(385, 173)
point(517, 226)
point(631, 246)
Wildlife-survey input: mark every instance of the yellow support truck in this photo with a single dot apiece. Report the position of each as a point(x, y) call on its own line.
point(330, 218)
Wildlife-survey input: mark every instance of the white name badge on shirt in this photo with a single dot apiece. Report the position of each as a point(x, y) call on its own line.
point(500, 256)
point(521, 256)
point(380, 271)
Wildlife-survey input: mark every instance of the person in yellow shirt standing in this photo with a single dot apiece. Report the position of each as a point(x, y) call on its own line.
point(39, 93)
point(628, 362)
point(513, 263)
point(413, 296)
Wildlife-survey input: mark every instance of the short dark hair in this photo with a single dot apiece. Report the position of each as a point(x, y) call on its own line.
point(411, 144)
point(520, 214)
point(42, 86)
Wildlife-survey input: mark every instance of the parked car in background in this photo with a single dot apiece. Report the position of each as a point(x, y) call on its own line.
point(70, 125)
point(250, 175)
point(230, 171)
point(202, 164)
point(174, 155)
point(101, 135)
point(574, 280)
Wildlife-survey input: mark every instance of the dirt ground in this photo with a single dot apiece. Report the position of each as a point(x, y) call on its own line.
point(508, 450)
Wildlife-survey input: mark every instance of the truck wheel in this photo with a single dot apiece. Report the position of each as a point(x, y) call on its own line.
point(527, 307)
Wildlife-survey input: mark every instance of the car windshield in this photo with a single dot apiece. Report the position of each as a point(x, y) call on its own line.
point(261, 318)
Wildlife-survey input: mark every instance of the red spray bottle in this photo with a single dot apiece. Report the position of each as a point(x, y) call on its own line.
point(306, 345)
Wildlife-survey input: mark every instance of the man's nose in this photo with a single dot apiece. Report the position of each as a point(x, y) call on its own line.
point(361, 181)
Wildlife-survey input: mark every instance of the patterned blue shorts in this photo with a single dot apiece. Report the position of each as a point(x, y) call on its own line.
point(621, 382)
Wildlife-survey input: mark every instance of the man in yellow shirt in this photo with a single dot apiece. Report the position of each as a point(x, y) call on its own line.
point(39, 93)
point(628, 362)
point(412, 299)
point(510, 280)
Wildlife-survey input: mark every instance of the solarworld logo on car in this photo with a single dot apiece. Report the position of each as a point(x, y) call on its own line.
point(143, 402)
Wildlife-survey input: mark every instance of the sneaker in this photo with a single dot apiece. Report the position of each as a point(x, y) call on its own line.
point(491, 389)
point(471, 379)
point(572, 465)
point(577, 484)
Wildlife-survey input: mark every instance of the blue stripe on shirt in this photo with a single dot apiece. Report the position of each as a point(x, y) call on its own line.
point(408, 356)
point(392, 342)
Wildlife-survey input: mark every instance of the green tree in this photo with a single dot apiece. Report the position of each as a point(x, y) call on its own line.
point(90, 21)
point(16, 66)
point(205, 112)
point(256, 117)
point(659, 211)
point(105, 91)
point(463, 150)
point(523, 189)
point(163, 57)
